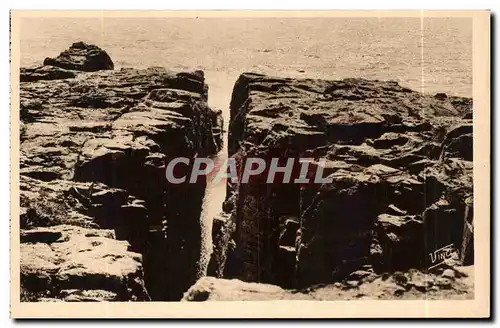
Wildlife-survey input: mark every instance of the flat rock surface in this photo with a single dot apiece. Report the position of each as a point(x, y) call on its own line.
point(87, 261)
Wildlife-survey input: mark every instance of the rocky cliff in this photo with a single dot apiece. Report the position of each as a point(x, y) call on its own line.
point(400, 164)
point(98, 219)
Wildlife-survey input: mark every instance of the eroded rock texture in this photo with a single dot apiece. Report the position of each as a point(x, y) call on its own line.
point(400, 165)
point(93, 153)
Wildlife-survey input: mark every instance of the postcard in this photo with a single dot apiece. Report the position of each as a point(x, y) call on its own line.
point(250, 164)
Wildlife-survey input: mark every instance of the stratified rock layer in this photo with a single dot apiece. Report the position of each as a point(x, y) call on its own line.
point(93, 153)
point(400, 165)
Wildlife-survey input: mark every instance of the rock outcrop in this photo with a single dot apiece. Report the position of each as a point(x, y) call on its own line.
point(82, 57)
point(94, 146)
point(400, 165)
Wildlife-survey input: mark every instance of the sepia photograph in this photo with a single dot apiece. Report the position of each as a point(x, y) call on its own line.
point(220, 157)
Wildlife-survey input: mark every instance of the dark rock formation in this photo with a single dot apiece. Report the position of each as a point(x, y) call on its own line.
point(82, 57)
point(79, 57)
point(93, 155)
point(400, 165)
point(456, 283)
